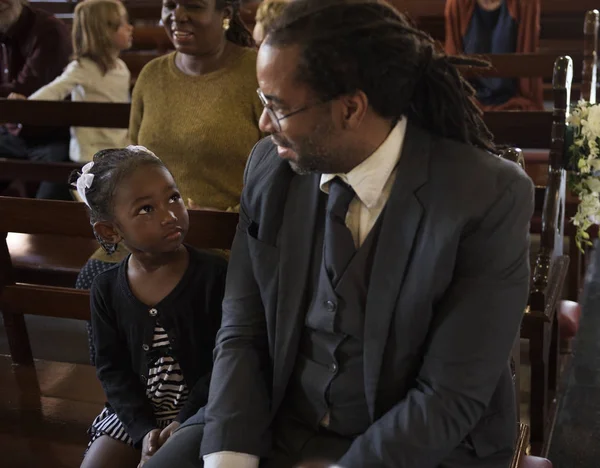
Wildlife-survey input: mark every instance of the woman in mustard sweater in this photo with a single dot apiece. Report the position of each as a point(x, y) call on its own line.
point(197, 108)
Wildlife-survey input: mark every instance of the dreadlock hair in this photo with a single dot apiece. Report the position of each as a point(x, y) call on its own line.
point(111, 167)
point(237, 33)
point(367, 45)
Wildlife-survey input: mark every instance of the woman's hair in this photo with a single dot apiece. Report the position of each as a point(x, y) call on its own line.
point(237, 33)
point(268, 10)
point(366, 45)
point(94, 24)
point(111, 167)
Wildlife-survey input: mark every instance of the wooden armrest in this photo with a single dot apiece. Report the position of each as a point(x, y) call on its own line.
point(521, 445)
point(49, 301)
point(50, 252)
point(544, 301)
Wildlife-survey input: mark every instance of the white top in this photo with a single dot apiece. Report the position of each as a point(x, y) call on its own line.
point(372, 180)
point(85, 81)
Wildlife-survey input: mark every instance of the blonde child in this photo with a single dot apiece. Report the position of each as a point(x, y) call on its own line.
point(266, 13)
point(101, 30)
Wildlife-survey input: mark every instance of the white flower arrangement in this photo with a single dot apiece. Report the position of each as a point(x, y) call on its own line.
point(584, 177)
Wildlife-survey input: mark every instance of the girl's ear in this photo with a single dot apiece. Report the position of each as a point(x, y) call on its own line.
point(107, 232)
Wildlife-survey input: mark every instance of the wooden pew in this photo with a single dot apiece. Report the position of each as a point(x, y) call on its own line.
point(208, 229)
point(139, 10)
point(540, 324)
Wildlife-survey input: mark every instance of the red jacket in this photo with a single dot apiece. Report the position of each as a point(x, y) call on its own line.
point(526, 13)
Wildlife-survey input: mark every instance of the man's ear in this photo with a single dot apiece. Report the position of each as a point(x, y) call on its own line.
point(107, 232)
point(355, 108)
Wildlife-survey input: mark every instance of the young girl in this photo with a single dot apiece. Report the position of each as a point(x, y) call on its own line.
point(155, 315)
point(101, 31)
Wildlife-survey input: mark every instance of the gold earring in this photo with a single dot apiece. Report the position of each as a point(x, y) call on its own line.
point(226, 24)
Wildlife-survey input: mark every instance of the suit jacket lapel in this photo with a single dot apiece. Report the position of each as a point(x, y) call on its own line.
point(297, 234)
point(402, 217)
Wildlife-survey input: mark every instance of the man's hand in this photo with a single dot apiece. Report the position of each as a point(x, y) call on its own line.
point(167, 432)
point(149, 446)
point(16, 96)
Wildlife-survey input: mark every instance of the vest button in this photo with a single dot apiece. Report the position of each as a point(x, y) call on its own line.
point(145, 347)
point(153, 312)
point(333, 368)
point(330, 306)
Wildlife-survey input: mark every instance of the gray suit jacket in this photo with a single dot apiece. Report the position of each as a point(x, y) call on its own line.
point(447, 292)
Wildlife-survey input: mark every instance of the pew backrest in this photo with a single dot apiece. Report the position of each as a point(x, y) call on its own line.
point(590, 55)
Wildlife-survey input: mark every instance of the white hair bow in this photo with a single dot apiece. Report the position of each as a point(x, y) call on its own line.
point(85, 181)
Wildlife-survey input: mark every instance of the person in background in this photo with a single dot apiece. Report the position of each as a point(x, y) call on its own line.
point(155, 316)
point(266, 13)
point(380, 268)
point(197, 107)
point(497, 27)
point(101, 30)
point(34, 49)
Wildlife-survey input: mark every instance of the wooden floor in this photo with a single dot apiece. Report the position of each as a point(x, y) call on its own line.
point(44, 413)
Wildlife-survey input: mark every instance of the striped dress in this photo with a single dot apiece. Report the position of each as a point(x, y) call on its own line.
point(165, 389)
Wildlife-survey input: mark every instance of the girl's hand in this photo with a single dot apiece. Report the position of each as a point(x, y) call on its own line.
point(167, 432)
point(16, 96)
point(149, 446)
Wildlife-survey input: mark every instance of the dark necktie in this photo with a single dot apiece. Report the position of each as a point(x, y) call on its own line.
point(338, 243)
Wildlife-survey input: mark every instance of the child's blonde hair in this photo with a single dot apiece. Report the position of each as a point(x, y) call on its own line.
point(268, 11)
point(94, 25)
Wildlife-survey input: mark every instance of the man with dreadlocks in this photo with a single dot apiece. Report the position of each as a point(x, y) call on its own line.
point(380, 268)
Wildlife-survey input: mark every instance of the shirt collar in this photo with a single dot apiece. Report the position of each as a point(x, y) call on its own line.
point(369, 177)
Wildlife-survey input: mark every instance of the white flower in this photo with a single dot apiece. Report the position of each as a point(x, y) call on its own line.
point(592, 127)
point(593, 184)
point(585, 156)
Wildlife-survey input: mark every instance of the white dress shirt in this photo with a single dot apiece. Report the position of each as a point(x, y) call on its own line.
point(372, 181)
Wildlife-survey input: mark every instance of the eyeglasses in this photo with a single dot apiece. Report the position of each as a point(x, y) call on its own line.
point(274, 117)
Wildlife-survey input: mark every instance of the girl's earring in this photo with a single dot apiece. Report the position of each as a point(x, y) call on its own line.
point(226, 23)
point(106, 246)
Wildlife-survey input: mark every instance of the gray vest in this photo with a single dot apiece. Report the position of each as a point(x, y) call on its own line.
point(327, 383)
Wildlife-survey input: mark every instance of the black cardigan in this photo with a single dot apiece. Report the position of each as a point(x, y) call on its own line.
point(123, 328)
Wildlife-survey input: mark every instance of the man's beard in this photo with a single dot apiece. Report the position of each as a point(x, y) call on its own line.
point(312, 156)
point(10, 16)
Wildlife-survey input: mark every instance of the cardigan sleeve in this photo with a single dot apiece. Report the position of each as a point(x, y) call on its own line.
point(453, 44)
point(530, 89)
point(122, 386)
point(75, 74)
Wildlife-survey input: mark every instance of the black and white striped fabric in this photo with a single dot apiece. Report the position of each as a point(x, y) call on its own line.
point(165, 389)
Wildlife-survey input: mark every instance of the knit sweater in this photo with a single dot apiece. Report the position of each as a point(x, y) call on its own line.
point(202, 127)
point(84, 80)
